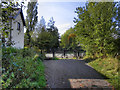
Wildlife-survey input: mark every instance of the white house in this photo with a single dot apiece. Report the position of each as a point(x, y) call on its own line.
point(17, 23)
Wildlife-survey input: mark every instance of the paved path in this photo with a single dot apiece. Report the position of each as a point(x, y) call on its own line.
point(69, 73)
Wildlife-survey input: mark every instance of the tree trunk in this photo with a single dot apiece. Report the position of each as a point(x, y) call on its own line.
point(78, 54)
point(75, 54)
point(53, 53)
point(28, 39)
point(3, 40)
point(64, 52)
point(41, 51)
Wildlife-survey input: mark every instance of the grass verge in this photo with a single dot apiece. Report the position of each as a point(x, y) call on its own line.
point(109, 68)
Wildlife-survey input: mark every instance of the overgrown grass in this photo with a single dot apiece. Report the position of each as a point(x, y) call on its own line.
point(108, 67)
point(22, 69)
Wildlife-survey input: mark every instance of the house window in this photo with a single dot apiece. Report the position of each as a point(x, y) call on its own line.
point(18, 26)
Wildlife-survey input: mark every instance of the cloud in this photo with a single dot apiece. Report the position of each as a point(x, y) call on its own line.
point(63, 27)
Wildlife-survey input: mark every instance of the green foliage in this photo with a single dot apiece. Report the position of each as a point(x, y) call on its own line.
point(31, 21)
point(54, 32)
point(68, 39)
point(95, 27)
point(96, 32)
point(22, 70)
point(28, 52)
point(46, 38)
point(64, 39)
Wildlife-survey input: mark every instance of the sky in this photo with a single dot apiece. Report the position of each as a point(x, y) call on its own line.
point(62, 12)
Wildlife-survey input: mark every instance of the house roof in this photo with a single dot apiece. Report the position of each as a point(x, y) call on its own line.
point(19, 11)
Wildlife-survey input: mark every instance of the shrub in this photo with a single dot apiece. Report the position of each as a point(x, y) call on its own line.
point(22, 68)
point(28, 52)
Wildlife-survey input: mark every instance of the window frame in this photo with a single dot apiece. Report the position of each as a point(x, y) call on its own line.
point(18, 26)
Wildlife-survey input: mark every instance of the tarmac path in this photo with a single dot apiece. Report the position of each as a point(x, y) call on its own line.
point(73, 74)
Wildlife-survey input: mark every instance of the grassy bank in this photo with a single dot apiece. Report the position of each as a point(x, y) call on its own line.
point(22, 69)
point(108, 67)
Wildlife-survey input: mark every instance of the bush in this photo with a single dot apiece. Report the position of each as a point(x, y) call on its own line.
point(22, 68)
point(28, 52)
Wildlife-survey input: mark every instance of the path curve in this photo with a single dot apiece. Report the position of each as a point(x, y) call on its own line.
point(59, 73)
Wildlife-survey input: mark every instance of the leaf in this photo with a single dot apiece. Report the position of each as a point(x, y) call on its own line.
point(12, 74)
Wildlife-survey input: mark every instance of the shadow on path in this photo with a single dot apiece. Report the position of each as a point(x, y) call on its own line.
point(59, 72)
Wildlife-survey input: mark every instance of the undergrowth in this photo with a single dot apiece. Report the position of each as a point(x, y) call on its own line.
point(22, 68)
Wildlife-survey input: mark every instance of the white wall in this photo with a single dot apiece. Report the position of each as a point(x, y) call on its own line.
point(18, 36)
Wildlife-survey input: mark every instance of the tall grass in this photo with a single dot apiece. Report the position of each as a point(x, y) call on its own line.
point(108, 67)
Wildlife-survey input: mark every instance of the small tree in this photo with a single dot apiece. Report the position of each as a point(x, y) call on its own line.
point(55, 35)
point(31, 20)
point(44, 40)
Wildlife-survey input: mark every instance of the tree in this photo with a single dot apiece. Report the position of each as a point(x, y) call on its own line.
point(31, 20)
point(117, 41)
point(42, 22)
point(54, 31)
point(96, 26)
point(51, 23)
point(44, 40)
point(38, 28)
point(68, 40)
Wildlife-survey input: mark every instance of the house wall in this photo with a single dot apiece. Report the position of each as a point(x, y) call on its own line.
point(17, 36)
